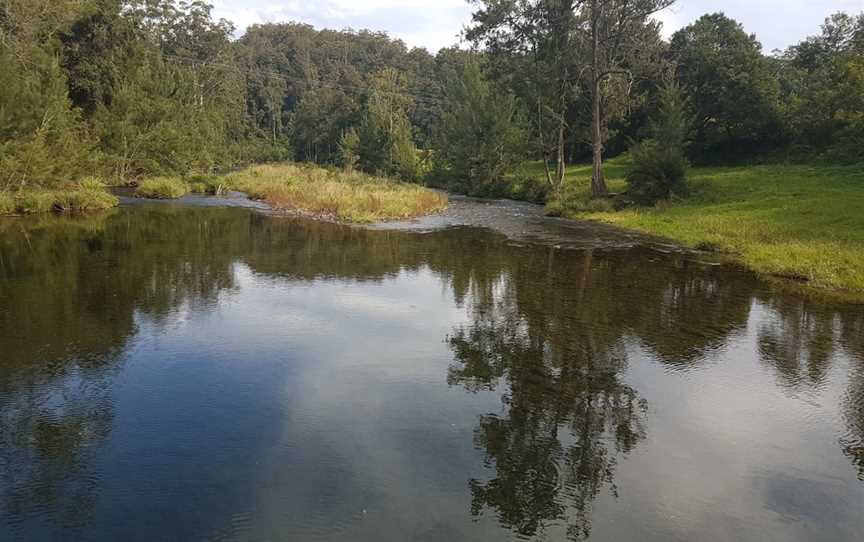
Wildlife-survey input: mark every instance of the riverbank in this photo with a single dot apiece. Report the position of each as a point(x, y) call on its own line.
point(297, 189)
point(311, 191)
point(799, 222)
point(88, 195)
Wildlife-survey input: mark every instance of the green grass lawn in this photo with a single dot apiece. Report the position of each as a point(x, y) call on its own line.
point(799, 221)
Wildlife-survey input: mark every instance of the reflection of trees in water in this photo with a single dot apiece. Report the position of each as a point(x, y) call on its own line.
point(69, 292)
point(567, 417)
point(549, 328)
point(800, 338)
point(47, 435)
point(852, 339)
point(797, 340)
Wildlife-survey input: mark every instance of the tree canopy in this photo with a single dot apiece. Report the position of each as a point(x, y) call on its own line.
point(129, 88)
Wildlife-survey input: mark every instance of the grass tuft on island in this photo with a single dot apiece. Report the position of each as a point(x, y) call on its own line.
point(795, 221)
point(311, 191)
point(330, 194)
point(87, 195)
point(162, 188)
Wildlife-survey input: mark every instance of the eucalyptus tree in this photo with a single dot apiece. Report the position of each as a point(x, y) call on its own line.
point(569, 44)
point(614, 29)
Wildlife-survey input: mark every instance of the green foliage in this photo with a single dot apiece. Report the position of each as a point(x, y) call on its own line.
point(215, 185)
point(731, 87)
point(7, 203)
point(84, 200)
point(158, 122)
point(162, 188)
point(74, 200)
point(824, 85)
point(481, 136)
point(318, 122)
point(129, 89)
point(42, 141)
point(349, 149)
point(386, 146)
point(657, 172)
point(35, 201)
point(658, 165)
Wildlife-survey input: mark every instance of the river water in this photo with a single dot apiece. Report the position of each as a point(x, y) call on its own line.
point(187, 372)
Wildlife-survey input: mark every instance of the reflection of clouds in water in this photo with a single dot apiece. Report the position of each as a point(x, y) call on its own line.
point(715, 433)
point(304, 392)
point(404, 440)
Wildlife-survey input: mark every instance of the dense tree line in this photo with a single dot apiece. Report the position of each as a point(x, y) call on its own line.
point(126, 88)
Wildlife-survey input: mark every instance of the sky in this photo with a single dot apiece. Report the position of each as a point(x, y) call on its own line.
point(437, 23)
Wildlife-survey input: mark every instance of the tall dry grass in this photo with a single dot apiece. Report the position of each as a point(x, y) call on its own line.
point(347, 196)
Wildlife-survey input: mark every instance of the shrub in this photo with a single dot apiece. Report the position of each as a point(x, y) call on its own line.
point(658, 168)
point(7, 204)
point(349, 149)
point(207, 184)
point(92, 183)
point(35, 201)
point(657, 172)
point(83, 200)
point(162, 188)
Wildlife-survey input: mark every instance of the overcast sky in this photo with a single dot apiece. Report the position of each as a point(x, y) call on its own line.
point(437, 23)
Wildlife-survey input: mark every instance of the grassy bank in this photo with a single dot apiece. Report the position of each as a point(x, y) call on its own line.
point(162, 188)
point(804, 222)
point(88, 195)
point(312, 191)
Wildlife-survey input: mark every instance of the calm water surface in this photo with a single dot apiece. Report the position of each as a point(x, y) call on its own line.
point(183, 373)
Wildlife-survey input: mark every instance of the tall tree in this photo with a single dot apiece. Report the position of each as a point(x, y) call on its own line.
point(480, 136)
point(823, 87)
point(614, 29)
point(536, 36)
point(568, 42)
point(731, 86)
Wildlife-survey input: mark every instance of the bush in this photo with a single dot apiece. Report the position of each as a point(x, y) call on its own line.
point(207, 184)
point(36, 201)
point(657, 172)
point(7, 204)
point(92, 183)
point(162, 188)
point(87, 199)
point(481, 136)
point(658, 168)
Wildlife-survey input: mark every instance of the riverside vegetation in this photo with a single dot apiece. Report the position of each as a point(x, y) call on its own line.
point(160, 93)
point(339, 195)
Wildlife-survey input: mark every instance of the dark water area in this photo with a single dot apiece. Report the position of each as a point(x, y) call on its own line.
point(189, 373)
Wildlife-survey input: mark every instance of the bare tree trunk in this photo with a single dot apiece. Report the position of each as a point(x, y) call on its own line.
point(598, 182)
point(543, 146)
point(560, 166)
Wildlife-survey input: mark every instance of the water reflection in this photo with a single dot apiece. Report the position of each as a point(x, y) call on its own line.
point(552, 336)
point(567, 413)
point(70, 293)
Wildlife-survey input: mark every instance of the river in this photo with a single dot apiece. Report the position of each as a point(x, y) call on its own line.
point(200, 372)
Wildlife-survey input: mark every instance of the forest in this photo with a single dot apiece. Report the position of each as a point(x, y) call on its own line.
point(110, 92)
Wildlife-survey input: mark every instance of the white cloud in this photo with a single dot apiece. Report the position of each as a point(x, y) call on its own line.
point(419, 23)
point(437, 23)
